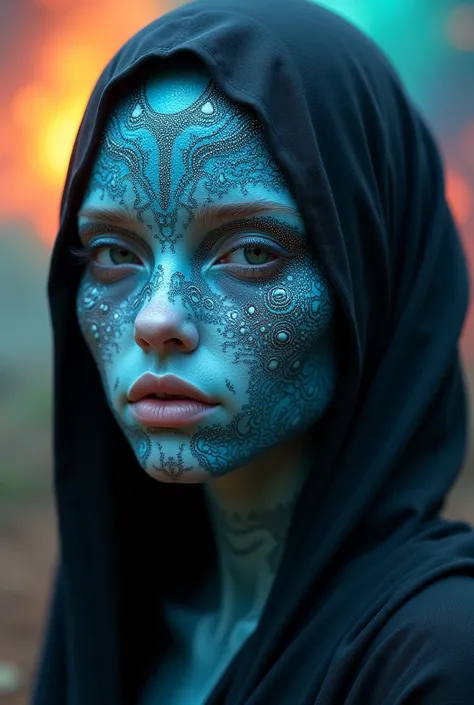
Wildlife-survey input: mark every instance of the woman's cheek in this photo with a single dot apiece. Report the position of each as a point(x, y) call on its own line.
point(104, 311)
point(278, 323)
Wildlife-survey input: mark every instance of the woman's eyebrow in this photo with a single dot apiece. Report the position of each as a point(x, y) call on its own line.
point(205, 216)
point(208, 215)
point(109, 215)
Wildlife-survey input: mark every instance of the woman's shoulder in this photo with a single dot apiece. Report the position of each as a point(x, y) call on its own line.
point(424, 653)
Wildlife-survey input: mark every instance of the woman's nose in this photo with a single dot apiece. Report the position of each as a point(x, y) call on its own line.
point(165, 328)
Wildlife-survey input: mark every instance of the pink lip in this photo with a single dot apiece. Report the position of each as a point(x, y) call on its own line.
point(167, 413)
point(170, 413)
point(166, 384)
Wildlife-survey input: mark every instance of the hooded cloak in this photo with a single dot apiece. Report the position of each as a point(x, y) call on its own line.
point(374, 598)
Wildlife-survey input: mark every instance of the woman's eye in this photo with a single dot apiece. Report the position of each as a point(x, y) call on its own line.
point(250, 259)
point(257, 255)
point(253, 260)
point(113, 255)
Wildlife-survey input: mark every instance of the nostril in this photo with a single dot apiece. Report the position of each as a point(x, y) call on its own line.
point(164, 334)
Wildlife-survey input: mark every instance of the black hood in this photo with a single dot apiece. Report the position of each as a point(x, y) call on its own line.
point(366, 533)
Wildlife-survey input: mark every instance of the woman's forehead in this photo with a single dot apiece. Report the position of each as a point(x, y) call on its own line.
point(174, 88)
point(177, 105)
point(177, 138)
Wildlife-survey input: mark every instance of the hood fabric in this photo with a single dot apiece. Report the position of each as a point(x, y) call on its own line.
point(373, 600)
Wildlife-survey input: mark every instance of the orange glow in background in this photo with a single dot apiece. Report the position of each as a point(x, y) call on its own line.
point(38, 127)
point(460, 197)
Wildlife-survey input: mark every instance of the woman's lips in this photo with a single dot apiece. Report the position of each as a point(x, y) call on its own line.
point(170, 413)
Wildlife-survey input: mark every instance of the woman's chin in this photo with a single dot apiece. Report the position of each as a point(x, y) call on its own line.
point(187, 477)
point(166, 455)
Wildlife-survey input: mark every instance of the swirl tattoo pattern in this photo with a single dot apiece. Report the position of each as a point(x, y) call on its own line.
point(245, 534)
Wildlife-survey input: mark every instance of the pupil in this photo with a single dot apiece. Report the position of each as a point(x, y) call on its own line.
point(122, 252)
point(256, 255)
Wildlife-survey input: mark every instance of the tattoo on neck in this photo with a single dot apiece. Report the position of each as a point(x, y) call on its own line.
point(236, 528)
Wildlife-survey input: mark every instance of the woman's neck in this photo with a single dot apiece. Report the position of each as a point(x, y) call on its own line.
point(250, 510)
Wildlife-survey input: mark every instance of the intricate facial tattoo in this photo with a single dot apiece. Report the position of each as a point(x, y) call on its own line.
point(240, 310)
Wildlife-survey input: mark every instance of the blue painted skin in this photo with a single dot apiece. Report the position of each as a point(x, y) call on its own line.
point(239, 308)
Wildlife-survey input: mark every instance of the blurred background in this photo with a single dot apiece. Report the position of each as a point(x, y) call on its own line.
point(51, 53)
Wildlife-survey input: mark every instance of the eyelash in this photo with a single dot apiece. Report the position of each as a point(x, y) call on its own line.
point(84, 254)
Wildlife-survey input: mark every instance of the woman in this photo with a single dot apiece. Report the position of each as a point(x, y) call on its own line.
point(258, 216)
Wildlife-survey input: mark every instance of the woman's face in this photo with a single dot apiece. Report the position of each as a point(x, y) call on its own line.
point(199, 267)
